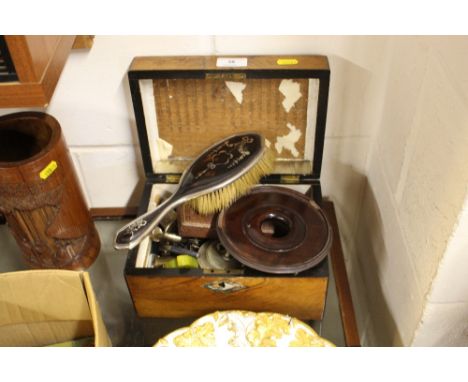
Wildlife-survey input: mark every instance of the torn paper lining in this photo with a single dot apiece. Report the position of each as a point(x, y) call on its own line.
point(159, 148)
point(312, 103)
point(236, 88)
point(291, 91)
point(288, 142)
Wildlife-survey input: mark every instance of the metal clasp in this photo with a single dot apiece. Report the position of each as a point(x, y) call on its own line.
point(224, 286)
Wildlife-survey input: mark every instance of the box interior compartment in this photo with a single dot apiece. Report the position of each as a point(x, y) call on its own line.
point(142, 257)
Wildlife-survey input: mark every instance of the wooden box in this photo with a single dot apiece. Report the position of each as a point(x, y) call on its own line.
point(184, 104)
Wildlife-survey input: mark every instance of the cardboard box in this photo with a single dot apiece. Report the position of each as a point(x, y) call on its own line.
point(46, 307)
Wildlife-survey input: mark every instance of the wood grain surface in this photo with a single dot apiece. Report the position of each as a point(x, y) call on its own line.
point(101, 213)
point(155, 296)
point(343, 290)
point(38, 61)
point(83, 42)
point(209, 63)
point(192, 224)
point(189, 297)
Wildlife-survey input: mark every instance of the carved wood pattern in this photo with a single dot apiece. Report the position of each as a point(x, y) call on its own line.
point(48, 217)
point(21, 196)
point(42, 250)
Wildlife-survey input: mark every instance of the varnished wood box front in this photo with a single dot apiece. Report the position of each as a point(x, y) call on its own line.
point(189, 296)
point(194, 124)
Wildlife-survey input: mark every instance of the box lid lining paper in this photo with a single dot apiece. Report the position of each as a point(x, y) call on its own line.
point(184, 116)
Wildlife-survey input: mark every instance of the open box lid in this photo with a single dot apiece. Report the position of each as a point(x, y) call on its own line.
point(184, 104)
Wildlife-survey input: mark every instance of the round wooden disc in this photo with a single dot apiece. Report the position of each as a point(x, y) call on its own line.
point(276, 230)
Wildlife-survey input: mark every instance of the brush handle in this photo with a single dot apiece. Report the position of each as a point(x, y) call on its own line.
point(130, 235)
point(217, 167)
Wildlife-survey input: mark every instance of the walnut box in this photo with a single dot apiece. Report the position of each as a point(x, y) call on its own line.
point(183, 105)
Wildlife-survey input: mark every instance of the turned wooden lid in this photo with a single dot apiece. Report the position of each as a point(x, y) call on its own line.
point(276, 230)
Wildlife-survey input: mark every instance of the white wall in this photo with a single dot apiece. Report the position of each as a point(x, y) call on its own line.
point(416, 187)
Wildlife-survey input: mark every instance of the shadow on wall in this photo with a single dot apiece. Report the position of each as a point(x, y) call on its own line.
point(135, 197)
point(345, 154)
point(347, 143)
point(370, 251)
point(350, 99)
point(124, 84)
point(346, 190)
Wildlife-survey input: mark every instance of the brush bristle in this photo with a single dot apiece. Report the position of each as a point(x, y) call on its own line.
point(218, 200)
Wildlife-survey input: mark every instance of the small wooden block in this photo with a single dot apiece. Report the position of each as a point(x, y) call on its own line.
point(83, 42)
point(192, 224)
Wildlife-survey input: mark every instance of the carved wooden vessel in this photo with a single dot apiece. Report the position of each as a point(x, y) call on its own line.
point(40, 195)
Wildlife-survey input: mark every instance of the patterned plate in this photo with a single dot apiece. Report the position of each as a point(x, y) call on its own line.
point(242, 328)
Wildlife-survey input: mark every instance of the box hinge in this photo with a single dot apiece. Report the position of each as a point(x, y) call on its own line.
point(172, 178)
point(290, 179)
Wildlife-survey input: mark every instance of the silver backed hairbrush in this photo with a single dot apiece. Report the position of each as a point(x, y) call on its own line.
point(220, 175)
